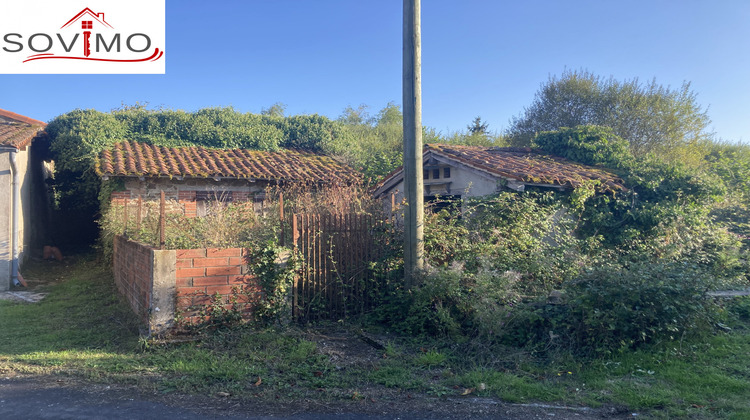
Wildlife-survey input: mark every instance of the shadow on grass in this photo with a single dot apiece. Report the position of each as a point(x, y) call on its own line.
point(82, 320)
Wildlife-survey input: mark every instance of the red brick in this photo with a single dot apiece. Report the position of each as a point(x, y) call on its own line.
point(210, 262)
point(247, 299)
point(223, 252)
point(202, 299)
point(186, 195)
point(190, 272)
point(184, 302)
point(242, 280)
point(184, 282)
point(190, 291)
point(222, 290)
point(222, 271)
point(203, 281)
point(184, 263)
point(236, 261)
point(190, 253)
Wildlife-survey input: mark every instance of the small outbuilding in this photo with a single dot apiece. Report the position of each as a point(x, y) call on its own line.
point(22, 193)
point(192, 176)
point(455, 172)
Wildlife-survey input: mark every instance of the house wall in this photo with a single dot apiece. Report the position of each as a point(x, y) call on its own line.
point(462, 182)
point(6, 194)
point(184, 191)
point(27, 212)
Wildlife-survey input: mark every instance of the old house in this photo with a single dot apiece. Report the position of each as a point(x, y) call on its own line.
point(454, 172)
point(22, 193)
point(192, 176)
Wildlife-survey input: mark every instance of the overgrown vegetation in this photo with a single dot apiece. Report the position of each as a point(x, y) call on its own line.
point(82, 329)
point(610, 288)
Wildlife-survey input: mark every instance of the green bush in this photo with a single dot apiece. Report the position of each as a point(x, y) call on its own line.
point(451, 301)
point(618, 307)
point(275, 269)
point(529, 233)
point(588, 144)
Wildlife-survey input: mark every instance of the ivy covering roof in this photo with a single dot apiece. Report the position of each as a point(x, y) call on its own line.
point(17, 130)
point(145, 160)
point(528, 165)
point(521, 164)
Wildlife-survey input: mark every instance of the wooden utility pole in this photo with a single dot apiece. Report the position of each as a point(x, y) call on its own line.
point(413, 182)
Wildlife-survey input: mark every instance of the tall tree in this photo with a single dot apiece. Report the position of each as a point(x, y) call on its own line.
point(275, 110)
point(652, 118)
point(477, 126)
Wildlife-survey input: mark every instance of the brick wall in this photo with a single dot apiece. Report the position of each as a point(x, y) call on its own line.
point(160, 284)
point(187, 199)
point(202, 273)
point(133, 274)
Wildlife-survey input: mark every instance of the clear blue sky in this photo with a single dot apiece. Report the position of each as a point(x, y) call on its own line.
point(480, 58)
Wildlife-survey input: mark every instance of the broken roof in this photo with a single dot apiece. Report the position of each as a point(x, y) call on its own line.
point(519, 164)
point(17, 130)
point(146, 160)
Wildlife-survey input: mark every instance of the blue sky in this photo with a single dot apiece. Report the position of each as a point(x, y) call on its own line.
point(479, 57)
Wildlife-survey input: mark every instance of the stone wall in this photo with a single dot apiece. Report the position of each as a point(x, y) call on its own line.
point(188, 193)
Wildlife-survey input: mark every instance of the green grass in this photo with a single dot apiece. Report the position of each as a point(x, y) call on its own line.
point(83, 328)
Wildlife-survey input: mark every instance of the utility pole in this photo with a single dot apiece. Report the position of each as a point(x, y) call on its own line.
point(413, 182)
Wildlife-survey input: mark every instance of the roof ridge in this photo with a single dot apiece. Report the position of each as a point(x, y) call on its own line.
point(21, 118)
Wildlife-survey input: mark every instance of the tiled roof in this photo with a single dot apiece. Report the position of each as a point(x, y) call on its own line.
point(16, 130)
point(141, 159)
point(528, 165)
point(522, 164)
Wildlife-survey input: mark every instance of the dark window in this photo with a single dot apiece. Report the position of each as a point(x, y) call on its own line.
point(436, 174)
point(446, 172)
point(426, 174)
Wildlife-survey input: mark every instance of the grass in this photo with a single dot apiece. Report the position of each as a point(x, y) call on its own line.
point(84, 329)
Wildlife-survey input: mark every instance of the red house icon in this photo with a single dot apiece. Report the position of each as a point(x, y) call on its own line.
point(87, 26)
point(87, 13)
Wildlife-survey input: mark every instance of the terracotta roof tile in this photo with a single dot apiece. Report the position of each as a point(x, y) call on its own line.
point(527, 165)
point(521, 164)
point(16, 130)
point(141, 159)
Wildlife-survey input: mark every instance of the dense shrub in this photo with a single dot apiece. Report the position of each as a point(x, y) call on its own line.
point(588, 144)
point(615, 307)
point(529, 233)
point(453, 302)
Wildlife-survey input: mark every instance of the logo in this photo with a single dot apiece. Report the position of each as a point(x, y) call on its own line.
point(104, 37)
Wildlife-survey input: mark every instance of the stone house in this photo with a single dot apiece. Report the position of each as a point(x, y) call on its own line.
point(22, 193)
point(194, 176)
